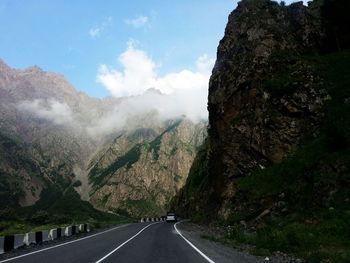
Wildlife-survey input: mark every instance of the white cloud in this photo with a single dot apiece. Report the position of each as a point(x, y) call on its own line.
point(184, 92)
point(139, 74)
point(94, 32)
point(137, 22)
point(97, 30)
point(52, 110)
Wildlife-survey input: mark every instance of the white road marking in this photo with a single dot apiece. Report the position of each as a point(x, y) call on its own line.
point(60, 245)
point(193, 246)
point(131, 238)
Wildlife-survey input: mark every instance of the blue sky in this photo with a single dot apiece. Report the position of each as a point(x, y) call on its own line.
point(76, 37)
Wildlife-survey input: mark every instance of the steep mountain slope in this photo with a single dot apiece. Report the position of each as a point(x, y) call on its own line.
point(56, 141)
point(276, 162)
point(141, 170)
point(34, 109)
point(21, 179)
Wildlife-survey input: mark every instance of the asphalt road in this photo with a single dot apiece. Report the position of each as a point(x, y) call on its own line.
point(141, 242)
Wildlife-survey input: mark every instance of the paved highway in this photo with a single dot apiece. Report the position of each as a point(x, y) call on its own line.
point(141, 242)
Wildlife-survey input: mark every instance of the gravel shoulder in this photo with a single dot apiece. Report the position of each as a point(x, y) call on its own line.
point(214, 250)
point(221, 253)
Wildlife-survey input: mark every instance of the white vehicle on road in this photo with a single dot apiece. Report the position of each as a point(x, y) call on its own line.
point(171, 217)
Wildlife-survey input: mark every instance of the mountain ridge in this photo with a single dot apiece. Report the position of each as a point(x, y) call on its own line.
point(62, 130)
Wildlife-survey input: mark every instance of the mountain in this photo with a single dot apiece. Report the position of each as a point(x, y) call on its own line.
point(57, 142)
point(275, 166)
point(141, 170)
point(42, 139)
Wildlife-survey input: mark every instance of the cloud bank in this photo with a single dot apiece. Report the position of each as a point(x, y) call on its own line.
point(143, 97)
point(52, 110)
point(184, 92)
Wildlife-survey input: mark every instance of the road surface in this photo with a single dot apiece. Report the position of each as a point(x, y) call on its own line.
point(142, 242)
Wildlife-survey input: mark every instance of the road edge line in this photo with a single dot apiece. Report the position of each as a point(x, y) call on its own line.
point(193, 246)
point(63, 244)
point(125, 242)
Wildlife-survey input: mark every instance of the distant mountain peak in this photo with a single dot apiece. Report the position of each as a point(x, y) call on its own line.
point(153, 91)
point(33, 69)
point(3, 65)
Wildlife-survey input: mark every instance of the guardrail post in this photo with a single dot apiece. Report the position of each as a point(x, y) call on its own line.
point(53, 234)
point(9, 242)
point(68, 231)
point(19, 241)
point(29, 238)
point(1, 245)
point(38, 237)
point(59, 232)
point(45, 235)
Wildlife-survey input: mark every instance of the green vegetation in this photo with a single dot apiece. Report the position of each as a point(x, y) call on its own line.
point(142, 133)
point(52, 210)
point(98, 176)
point(155, 144)
point(198, 169)
point(315, 184)
point(177, 178)
point(143, 206)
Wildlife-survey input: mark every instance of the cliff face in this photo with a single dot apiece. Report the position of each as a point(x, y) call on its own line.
point(141, 170)
point(270, 103)
point(263, 99)
point(275, 169)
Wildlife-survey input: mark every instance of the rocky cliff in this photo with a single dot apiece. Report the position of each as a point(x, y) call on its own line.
point(278, 138)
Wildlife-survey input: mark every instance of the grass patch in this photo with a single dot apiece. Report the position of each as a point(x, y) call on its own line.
point(97, 176)
point(198, 170)
point(53, 210)
point(143, 206)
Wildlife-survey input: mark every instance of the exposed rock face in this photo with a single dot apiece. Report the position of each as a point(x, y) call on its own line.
point(252, 126)
point(140, 171)
point(264, 101)
point(50, 137)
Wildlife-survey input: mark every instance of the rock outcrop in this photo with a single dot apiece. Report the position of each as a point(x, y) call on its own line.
point(267, 101)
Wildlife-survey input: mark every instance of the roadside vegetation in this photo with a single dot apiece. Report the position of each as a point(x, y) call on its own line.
point(54, 210)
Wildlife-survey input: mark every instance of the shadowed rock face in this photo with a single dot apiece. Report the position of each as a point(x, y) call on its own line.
point(264, 100)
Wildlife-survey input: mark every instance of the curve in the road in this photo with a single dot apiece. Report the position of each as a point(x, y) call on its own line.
point(193, 246)
point(162, 242)
point(131, 238)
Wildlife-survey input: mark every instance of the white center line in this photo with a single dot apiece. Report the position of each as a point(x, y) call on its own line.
point(193, 246)
point(70, 242)
point(131, 238)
